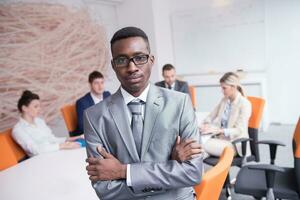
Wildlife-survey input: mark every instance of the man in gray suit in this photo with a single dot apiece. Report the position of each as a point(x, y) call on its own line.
point(170, 81)
point(137, 153)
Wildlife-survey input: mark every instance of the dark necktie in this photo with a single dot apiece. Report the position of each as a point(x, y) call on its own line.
point(170, 87)
point(137, 123)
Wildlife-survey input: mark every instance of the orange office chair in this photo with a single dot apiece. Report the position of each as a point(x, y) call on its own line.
point(192, 91)
point(212, 181)
point(11, 153)
point(269, 180)
point(253, 128)
point(254, 124)
point(70, 117)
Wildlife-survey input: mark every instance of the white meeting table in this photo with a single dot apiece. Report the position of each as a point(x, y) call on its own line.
point(57, 175)
point(50, 176)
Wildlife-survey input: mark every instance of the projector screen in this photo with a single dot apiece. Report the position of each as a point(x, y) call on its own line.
point(220, 38)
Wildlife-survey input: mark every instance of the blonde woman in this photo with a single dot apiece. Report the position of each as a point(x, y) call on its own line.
point(229, 120)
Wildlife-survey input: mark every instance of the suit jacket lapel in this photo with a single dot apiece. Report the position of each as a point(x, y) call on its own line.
point(176, 87)
point(118, 111)
point(153, 107)
point(90, 99)
point(163, 84)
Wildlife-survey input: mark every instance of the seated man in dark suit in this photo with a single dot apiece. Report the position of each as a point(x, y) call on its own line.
point(97, 94)
point(169, 74)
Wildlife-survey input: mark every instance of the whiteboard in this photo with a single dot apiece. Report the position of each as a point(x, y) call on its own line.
point(220, 38)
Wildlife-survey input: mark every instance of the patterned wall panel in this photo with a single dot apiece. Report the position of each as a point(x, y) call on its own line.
point(49, 49)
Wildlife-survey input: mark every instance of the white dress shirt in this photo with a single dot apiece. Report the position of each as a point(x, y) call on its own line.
point(95, 98)
point(35, 138)
point(128, 98)
point(172, 86)
point(225, 118)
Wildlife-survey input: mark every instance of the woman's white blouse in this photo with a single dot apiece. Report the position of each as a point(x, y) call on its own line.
point(35, 138)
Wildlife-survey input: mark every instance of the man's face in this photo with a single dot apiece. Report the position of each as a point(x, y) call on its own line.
point(97, 86)
point(169, 76)
point(134, 78)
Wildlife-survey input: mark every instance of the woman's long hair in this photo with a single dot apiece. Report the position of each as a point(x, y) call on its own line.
point(231, 78)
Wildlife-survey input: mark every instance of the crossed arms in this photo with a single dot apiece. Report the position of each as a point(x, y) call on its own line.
point(183, 169)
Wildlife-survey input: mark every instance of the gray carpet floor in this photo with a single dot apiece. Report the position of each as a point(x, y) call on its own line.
point(283, 133)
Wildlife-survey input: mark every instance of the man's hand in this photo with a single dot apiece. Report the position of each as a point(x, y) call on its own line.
point(106, 168)
point(185, 150)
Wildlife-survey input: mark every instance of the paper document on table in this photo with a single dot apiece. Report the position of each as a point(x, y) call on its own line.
point(206, 137)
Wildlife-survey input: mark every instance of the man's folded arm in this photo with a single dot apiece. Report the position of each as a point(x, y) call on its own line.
point(150, 177)
point(114, 189)
point(172, 174)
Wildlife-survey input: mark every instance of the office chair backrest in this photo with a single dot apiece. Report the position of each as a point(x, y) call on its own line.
point(70, 117)
point(296, 148)
point(258, 105)
point(212, 181)
point(192, 91)
point(11, 153)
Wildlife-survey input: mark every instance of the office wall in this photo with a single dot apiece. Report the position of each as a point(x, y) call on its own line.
point(163, 34)
point(139, 13)
point(281, 43)
point(111, 15)
point(153, 16)
point(281, 62)
point(49, 49)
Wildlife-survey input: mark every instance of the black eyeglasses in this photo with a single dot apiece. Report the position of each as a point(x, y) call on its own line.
point(123, 61)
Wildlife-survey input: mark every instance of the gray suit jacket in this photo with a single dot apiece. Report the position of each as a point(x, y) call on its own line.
point(153, 175)
point(180, 86)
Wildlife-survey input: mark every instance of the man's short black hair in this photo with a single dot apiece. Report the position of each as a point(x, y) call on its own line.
point(128, 32)
point(94, 75)
point(168, 67)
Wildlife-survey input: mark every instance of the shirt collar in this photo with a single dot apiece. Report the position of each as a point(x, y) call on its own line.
point(128, 97)
point(26, 123)
point(172, 86)
point(235, 101)
point(95, 98)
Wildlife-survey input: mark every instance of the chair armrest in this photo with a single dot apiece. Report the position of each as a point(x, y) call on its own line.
point(271, 142)
point(273, 148)
point(266, 167)
point(241, 140)
point(270, 171)
point(244, 144)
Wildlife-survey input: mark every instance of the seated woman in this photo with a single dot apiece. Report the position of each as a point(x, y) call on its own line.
point(32, 133)
point(229, 120)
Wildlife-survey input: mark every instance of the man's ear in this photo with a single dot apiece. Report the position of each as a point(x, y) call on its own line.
point(152, 58)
